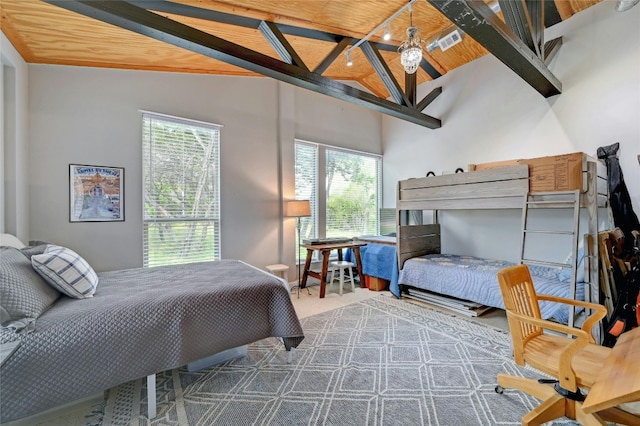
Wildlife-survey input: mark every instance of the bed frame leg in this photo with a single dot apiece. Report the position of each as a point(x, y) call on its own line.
point(290, 355)
point(151, 396)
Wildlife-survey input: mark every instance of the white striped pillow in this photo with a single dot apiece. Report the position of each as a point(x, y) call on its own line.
point(66, 271)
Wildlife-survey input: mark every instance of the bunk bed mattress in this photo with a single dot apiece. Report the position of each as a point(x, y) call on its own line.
point(474, 279)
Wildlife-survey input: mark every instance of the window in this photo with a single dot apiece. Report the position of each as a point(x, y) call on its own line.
point(348, 205)
point(181, 190)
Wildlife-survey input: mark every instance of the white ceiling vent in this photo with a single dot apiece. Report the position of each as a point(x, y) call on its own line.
point(449, 40)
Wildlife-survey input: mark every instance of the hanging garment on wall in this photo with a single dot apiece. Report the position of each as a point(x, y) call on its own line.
point(623, 215)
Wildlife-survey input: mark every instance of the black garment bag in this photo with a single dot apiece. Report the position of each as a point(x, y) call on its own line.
point(623, 215)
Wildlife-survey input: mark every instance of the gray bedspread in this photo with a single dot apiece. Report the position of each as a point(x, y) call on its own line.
point(140, 322)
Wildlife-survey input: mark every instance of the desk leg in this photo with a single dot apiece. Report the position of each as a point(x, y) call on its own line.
point(307, 264)
point(325, 268)
point(356, 253)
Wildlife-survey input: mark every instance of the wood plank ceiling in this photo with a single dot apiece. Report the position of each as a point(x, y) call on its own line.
point(298, 41)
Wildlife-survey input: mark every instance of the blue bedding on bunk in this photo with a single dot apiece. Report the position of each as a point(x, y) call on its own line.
point(474, 279)
point(380, 261)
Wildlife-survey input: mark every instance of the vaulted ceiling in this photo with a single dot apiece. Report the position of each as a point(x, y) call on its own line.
point(302, 42)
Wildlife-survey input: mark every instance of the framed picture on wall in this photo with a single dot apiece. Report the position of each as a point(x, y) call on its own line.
point(96, 193)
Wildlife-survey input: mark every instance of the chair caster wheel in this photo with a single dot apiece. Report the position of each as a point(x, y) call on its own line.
point(499, 389)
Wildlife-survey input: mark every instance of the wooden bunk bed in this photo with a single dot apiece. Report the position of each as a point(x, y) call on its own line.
point(506, 185)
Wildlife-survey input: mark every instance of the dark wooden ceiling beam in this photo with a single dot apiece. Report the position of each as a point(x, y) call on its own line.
point(516, 15)
point(128, 16)
point(280, 44)
point(382, 69)
point(551, 49)
point(411, 87)
point(333, 55)
point(551, 14)
point(536, 14)
point(478, 21)
point(428, 68)
point(429, 98)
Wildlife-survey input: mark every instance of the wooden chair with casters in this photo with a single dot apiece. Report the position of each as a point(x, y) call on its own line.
point(573, 362)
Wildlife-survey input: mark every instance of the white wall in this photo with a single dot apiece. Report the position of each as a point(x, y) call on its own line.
point(333, 122)
point(91, 116)
point(14, 199)
point(490, 114)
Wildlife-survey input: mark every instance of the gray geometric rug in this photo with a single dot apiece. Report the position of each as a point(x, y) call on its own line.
point(381, 361)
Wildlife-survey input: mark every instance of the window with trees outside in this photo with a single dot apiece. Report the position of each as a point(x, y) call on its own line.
point(181, 190)
point(345, 190)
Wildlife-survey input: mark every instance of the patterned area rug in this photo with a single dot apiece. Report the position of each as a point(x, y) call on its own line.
point(381, 361)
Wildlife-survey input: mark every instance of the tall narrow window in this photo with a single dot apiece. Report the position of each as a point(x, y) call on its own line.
point(345, 189)
point(181, 190)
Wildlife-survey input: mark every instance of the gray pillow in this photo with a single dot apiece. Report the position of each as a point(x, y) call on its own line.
point(33, 250)
point(24, 295)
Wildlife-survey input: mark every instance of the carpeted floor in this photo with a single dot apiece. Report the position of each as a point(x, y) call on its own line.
point(379, 361)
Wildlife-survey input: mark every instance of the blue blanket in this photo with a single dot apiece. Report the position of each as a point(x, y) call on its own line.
point(474, 279)
point(380, 261)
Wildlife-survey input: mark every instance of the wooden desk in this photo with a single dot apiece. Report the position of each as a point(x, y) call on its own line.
point(619, 379)
point(325, 250)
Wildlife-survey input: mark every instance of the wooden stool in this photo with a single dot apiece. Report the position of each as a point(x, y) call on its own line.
point(279, 270)
point(342, 265)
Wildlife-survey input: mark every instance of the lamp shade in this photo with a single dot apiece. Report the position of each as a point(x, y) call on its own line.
point(298, 208)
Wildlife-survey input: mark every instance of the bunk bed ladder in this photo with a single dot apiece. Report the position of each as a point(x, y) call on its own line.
point(555, 199)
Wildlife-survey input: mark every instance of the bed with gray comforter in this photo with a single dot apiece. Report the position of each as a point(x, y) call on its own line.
point(138, 322)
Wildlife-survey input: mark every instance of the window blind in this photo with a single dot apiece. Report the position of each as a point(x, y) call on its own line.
point(181, 190)
point(306, 164)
